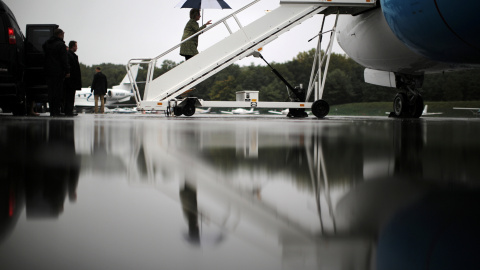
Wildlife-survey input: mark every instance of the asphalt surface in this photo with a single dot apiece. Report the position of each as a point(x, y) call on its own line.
point(145, 191)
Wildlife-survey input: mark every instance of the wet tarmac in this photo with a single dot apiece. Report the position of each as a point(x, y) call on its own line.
point(239, 192)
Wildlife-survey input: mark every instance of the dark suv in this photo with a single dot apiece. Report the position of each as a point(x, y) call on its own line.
point(12, 63)
point(22, 77)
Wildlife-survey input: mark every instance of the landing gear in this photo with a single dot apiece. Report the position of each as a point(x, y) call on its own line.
point(320, 108)
point(408, 103)
point(407, 106)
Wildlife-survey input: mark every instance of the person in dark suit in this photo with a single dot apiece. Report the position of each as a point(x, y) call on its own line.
point(73, 83)
point(56, 69)
point(99, 89)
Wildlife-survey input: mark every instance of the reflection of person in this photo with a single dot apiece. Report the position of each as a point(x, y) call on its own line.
point(73, 83)
point(56, 69)
point(189, 48)
point(188, 198)
point(52, 171)
point(99, 89)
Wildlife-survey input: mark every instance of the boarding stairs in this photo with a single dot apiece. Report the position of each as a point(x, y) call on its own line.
point(160, 93)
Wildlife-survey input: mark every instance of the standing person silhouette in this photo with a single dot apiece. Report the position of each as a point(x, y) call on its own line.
point(99, 89)
point(73, 83)
point(188, 49)
point(56, 69)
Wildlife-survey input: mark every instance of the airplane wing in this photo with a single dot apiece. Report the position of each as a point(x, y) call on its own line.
point(275, 112)
point(204, 111)
point(475, 111)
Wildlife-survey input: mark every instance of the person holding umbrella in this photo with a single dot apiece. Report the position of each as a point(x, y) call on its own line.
point(188, 49)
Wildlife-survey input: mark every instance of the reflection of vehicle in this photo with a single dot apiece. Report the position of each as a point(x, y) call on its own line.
point(12, 93)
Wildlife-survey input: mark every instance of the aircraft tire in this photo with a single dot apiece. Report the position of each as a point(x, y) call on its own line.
point(400, 105)
point(416, 108)
point(320, 108)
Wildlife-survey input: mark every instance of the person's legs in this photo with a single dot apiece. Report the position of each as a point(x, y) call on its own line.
point(69, 100)
point(55, 92)
point(96, 103)
point(102, 98)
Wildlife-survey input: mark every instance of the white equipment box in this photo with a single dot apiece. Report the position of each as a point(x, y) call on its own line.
point(247, 95)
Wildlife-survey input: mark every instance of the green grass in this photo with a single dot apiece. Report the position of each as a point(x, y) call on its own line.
point(380, 108)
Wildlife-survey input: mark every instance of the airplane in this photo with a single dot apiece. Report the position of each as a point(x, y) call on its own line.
point(118, 93)
point(241, 111)
point(425, 112)
point(198, 110)
point(475, 111)
point(283, 112)
point(399, 41)
point(121, 110)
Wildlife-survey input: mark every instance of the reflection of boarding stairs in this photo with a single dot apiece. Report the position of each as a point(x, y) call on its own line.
point(160, 92)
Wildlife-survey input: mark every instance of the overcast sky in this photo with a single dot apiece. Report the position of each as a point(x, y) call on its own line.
point(116, 31)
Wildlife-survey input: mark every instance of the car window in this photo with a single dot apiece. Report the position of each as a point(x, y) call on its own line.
point(36, 37)
point(3, 31)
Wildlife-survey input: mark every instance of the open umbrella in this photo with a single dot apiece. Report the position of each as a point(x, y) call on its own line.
point(203, 4)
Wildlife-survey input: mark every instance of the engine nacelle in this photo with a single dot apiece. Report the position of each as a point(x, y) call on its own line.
point(441, 30)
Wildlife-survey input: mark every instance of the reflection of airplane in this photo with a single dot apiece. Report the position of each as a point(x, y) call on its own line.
point(475, 111)
point(241, 111)
point(401, 40)
point(118, 93)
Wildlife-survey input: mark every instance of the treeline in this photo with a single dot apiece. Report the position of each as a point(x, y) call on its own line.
point(344, 82)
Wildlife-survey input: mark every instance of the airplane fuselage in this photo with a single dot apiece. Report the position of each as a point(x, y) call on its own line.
point(413, 37)
point(84, 98)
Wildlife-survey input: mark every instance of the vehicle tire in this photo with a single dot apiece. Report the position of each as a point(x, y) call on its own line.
point(320, 108)
point(177, 111)
point(188, 110)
